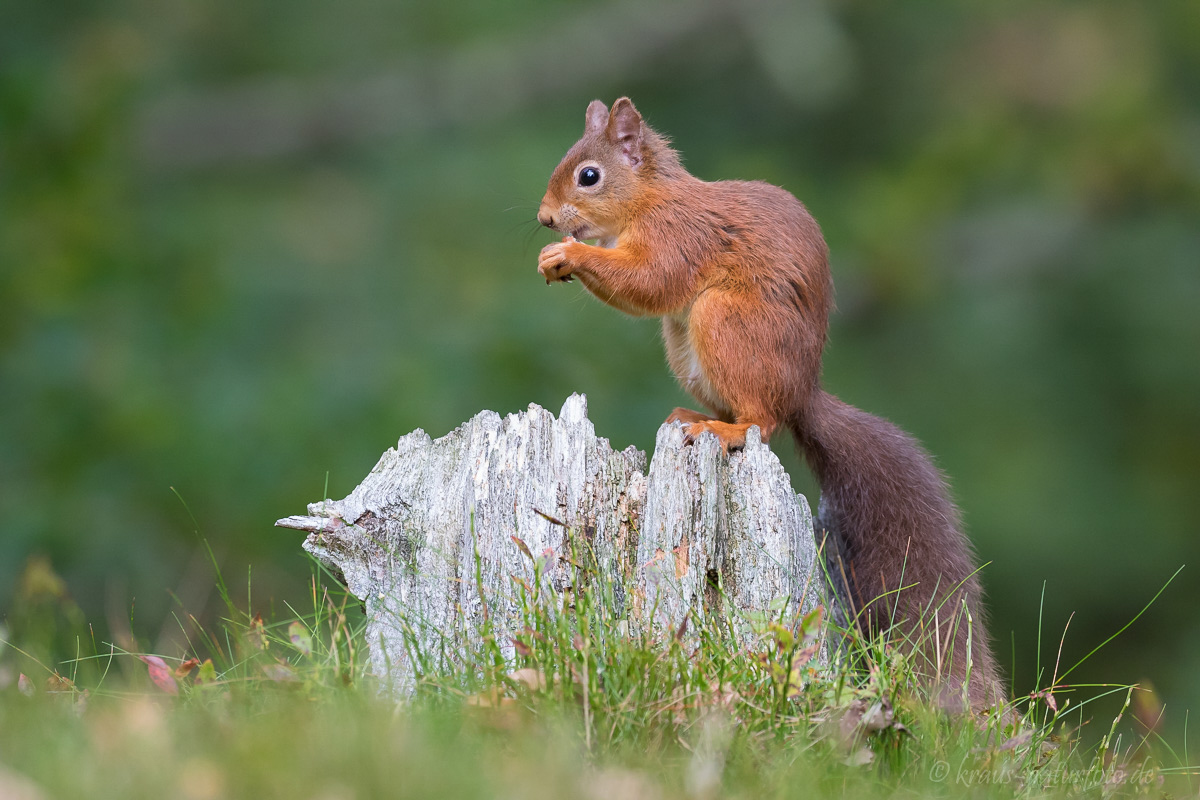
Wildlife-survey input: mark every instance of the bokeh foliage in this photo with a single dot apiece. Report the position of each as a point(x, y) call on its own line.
point(246, 245)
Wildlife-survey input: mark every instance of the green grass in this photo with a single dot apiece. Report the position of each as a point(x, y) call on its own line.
point(287, 708)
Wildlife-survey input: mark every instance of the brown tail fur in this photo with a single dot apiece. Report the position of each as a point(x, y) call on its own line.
point(896, 545)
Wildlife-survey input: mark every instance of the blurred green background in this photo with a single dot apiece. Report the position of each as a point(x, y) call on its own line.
point(244, 246)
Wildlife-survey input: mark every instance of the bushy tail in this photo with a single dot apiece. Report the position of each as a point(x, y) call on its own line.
point(895, 545)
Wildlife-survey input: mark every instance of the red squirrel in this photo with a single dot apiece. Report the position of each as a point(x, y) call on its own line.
point(739, 273)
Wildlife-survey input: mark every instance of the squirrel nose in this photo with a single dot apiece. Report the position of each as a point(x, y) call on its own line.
point(545, 217)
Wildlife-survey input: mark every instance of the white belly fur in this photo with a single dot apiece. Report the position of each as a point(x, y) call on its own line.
point(685, 363)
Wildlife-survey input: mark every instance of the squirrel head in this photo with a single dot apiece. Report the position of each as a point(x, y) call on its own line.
point(597, 186)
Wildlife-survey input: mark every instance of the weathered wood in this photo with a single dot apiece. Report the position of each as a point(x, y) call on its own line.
point(433, 537)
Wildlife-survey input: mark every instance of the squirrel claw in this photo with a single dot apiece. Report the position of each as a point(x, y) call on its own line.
point(731, 437)
point(689, 435)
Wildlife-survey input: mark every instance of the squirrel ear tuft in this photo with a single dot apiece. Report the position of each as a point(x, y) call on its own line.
point(596, 117)
point(625, 130)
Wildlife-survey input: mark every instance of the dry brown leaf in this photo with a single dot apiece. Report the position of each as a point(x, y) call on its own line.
point(848, 724)
point(682, 629)
point(490, 698)
point(57, 683)
point(185, 668)
point(878, 716)
point(864, 717)
point(1048, 696)
point(532, 678)
point(805, 654)
point(524, 548)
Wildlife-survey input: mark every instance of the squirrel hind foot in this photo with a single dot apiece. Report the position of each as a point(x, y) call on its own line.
point(731, 435)
point(696, 424)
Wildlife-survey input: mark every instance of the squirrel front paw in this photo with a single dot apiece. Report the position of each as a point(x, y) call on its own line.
point(552, 261)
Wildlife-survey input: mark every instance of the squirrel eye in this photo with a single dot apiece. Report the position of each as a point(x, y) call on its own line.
point(589, 176)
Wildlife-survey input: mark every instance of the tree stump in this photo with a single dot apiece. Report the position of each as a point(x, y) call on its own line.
point(432, 540)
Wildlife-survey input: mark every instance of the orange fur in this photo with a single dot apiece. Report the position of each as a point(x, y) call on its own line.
point(738, 271)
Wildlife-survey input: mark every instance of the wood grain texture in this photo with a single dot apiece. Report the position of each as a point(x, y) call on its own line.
point(428, 541)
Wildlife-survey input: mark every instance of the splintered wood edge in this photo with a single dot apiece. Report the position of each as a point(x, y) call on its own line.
point(310, 524)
